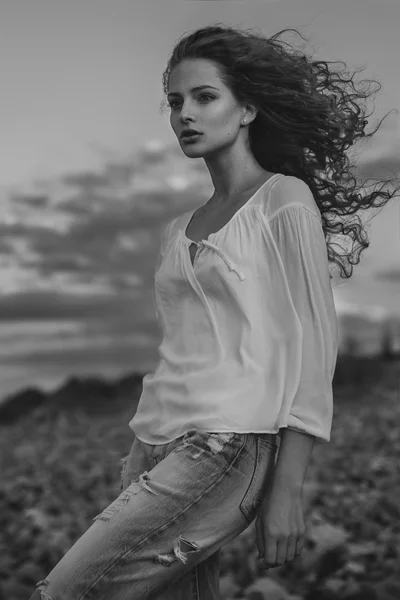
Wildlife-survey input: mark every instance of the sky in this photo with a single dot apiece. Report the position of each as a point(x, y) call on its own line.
point(79, 111)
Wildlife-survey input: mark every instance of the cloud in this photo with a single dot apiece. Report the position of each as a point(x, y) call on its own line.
point(34, 305)
point(32, 200)
point(87, 257)
point(379, 156)
point(389, 275)
point(127, 355)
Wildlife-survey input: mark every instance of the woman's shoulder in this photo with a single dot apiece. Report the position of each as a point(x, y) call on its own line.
point(289, 191)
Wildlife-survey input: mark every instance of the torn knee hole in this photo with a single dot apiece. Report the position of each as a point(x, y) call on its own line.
point(43, 595)
point(180, 551)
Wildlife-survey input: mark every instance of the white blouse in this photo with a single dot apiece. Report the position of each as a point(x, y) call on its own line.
point(249, 331)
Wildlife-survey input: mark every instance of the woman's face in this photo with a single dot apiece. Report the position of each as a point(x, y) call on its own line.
point(213, 110)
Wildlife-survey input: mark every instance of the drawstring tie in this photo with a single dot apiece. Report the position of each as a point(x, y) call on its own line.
point(230, 263)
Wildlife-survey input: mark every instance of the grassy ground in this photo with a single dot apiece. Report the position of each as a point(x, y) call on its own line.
point(59, 470)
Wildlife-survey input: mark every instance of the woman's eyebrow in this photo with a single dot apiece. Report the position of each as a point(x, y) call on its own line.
point(195, 89)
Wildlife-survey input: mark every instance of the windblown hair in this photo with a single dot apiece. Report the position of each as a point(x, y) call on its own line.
point(308, 116)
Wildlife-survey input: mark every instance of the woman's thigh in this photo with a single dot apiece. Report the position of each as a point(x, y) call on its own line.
point(203, 493)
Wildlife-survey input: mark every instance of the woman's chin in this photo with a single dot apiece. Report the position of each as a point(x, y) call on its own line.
point(192, 149)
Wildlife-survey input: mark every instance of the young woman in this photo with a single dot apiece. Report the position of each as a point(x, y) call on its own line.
point(250, 338)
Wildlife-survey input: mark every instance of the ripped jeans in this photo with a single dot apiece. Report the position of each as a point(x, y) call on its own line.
point(180, 502)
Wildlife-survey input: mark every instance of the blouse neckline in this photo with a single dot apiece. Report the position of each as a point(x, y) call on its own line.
point(191, 214)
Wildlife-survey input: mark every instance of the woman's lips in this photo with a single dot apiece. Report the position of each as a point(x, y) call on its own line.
point(193, 137)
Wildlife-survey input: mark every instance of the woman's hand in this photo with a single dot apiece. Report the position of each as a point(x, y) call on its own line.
point(280, 527)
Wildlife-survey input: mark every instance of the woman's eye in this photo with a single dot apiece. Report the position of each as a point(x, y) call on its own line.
point(174, 103)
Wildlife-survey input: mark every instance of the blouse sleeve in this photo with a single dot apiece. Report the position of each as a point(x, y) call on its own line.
point(298, 234)
point(165, 230)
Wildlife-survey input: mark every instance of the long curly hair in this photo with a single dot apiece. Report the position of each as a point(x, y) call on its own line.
point(308, 117)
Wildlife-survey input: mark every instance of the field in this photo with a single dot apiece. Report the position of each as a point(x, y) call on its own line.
point(59, 468)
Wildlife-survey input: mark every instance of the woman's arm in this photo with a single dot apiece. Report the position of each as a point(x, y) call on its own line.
point(293, 458)
point(299, 237)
